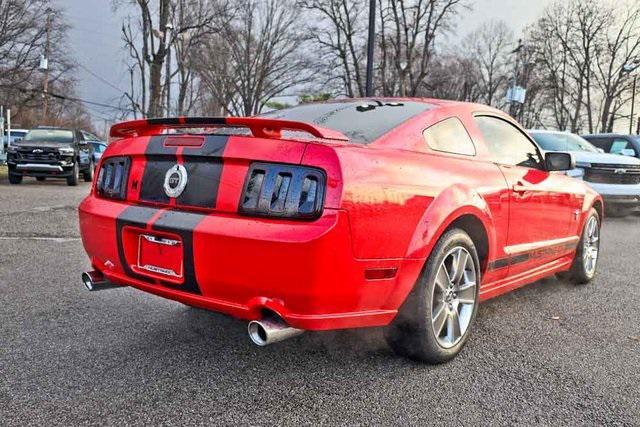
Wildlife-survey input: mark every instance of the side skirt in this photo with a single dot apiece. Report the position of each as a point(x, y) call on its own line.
point(493, 289)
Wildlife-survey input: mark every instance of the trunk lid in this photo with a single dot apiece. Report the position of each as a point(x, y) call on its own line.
point(204, 171)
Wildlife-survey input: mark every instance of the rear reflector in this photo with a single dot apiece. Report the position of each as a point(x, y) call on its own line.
point(380, 273)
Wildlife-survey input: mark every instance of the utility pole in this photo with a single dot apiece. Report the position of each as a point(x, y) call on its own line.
point(45, 85)
point(168, 31)
point(370, 46)
point(633, 104)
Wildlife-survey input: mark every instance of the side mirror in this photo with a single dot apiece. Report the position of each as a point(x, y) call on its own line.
point(628, 152)
point(557, 161)
point(600, 150)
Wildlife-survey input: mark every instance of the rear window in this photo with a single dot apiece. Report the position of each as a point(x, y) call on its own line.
point(362, 121)
point(449, 136)
point(50, 135)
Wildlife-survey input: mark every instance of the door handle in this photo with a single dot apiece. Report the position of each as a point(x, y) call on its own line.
point(521, 188)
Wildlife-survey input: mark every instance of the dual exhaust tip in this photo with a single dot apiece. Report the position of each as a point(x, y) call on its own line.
point(95, 281)
point(261, 332)
point(271, 330)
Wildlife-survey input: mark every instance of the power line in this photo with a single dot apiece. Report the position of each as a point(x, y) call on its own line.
point(68, 98)
point(103, 80)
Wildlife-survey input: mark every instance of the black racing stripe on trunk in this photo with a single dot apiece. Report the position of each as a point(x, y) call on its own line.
point(156, 147)
point(182, 224)
point(203, 165)
point(176, 222)
point(155, 169)
point(204, 178)
point(136, 216)
point(214, 146)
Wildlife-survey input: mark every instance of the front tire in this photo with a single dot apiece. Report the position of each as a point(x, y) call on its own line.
point(15, 179)
point(585, 263)
point(435, 321)
point(72, 180)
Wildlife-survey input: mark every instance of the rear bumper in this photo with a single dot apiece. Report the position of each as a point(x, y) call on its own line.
point(303, 271)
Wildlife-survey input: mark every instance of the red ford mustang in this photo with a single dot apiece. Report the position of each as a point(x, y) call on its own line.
point(404, 213)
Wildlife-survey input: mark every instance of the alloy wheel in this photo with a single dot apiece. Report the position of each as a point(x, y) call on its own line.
point(591, 245)
point(454, 297)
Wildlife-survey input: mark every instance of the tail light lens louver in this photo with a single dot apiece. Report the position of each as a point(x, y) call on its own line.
point(113, 177)
point(285, 191)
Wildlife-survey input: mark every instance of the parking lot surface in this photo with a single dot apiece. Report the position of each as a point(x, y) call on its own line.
point(550, 353)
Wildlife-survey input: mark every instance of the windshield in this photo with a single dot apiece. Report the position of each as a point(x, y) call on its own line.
point(50, 135)
point(550, 141)
point(362, 121)
point(98, 147)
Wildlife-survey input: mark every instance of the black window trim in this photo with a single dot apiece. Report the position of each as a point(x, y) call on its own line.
point(473, 144)
point(542, 165)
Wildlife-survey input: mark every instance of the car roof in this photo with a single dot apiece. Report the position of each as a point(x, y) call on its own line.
point(53, 128)
point(606, 135)
point(548, 131)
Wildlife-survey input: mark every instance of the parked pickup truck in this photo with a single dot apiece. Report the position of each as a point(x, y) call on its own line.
point(48, 152)
point(615, 177)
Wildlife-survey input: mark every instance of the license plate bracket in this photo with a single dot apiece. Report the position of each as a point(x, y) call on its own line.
point(160, 256)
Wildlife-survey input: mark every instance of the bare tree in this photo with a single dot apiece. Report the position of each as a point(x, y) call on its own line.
point(254, 56)
point(22, 41)
point(568, 38)
point(487, 49)
point(339, 29)
point(409, 30)
point(622, 47)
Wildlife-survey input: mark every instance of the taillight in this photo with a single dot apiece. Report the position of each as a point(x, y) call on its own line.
point(113, 177)
point(285, 191)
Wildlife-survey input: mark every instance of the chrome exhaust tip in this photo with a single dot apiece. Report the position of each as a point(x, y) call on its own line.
point(95, 281)
point(268, 331)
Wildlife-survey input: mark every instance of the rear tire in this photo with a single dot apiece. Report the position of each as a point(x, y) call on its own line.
point(435, 321)
point(72, 180)
point(15, 179)
point(585, 263)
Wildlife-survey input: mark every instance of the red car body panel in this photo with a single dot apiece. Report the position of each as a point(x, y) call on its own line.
point(385, 207)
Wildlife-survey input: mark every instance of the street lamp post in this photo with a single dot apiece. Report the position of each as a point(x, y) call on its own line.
point(633, 104)
point(370, 43)
point(628, 69)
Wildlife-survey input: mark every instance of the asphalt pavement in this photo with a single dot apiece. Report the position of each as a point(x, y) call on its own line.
point(550, 353)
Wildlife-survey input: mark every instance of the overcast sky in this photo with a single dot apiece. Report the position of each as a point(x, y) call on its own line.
point(96, 44)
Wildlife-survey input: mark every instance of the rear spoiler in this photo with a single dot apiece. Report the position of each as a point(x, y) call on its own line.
point(261, 127)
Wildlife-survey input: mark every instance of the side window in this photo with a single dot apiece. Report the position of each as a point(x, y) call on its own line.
point(620, 144)
point(449, 136)
point(506, 144)
point(604, 144)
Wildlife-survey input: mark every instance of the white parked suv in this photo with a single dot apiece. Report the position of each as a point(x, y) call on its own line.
point(615, 177)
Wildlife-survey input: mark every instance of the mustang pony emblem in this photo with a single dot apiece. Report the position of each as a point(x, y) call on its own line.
point(175, 180)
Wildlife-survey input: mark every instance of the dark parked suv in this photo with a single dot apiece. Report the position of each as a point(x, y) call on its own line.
point(48, 152)
point(615, 143)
